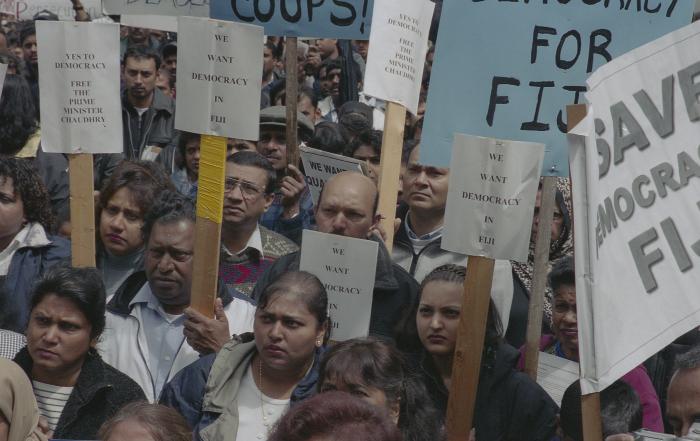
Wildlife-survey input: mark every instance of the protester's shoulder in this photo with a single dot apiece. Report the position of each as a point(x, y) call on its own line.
point(59, 247)
point(122, 384)
point(275, 244)
point(404, 278)
point(163, 102)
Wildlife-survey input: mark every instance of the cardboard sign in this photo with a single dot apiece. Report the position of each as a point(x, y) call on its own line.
point(555, 375)
point(79, 83)
point(397, 51)
point(491, 200)
point(346, 267)
point(319, 166)
point(219, 67)
point(25, 9)
point(545, 51)
point(349, 19)
point(194, 8)
point(637, 207)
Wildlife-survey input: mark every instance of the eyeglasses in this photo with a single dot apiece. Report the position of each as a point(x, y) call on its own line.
point(248, 189)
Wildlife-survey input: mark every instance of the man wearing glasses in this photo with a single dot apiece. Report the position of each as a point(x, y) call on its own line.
point(247, 248)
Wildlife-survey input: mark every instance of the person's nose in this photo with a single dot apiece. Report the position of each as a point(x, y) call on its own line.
point(339, 223)
point(165, 264)
point(436, 322)
point(51, 335)
point(117, 223)
point(275, 333)
point(570, 316)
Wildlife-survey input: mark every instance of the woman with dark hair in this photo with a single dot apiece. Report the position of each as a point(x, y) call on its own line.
point(509, 406)
point(336, 416)
point(142, 421)
point(377, 373)
point(124, 200)
point(239, 393)
point(185, 175)
point(76, 391)
point(26, 247)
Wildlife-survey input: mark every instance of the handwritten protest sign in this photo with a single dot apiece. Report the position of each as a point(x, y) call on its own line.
point(545, 52)
point(637, 207)
point(319, 166)
point(25, 9)
point(350, 19)
point(346, 267)
point(194, 8)
point(491, 200)
point(79, 84)
point(218, 78)
point(397, 51)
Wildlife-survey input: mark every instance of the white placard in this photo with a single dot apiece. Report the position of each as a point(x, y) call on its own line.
point(25, 9)
point(79, 84)
point(3, 72)
point(165, 23)
point(636, 207)
point(491, 197)
point(320, 166)
point(218, 78)
point(398, 45)
point(346, 267)
point(193, 8)
point(555, 375)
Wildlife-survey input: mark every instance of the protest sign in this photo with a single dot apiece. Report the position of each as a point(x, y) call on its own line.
point(193, 8)
point(8, 7)
point(346, 267)
point(636, 207)
point(218, 78)
point(397, 51)
point(25, 9)
point(555, 374)
point(490, 201)
point(79, 84)
point(349, 19)
point(3, 72)
point(545, 52)
point(319, 166)
point(167, 23)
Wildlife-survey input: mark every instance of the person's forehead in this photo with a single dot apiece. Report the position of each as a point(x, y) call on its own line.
point(171, 233)
point(350, 191)
point(31, 38)
point(248, 173)
point(140, 63)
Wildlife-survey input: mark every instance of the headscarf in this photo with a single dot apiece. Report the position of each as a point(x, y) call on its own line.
point(561, 247)
point(17, 403)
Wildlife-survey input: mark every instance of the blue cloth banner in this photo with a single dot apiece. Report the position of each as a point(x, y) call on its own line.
point(508, 68)
point(348, 19)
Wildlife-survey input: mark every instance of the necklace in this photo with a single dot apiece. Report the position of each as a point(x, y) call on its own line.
point(266, 423)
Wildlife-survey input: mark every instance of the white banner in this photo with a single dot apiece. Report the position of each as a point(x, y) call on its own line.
point(398, 44)
point(491, 197)
point(219, 67)
point(193, 8)
point(636, 182)
point(320, 166)
point(25, 9)
point(79, 84)
point(346, 267)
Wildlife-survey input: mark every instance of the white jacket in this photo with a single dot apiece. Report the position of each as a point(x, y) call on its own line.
point(124, 345)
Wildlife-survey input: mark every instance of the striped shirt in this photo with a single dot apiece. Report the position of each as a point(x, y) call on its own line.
point(51, 400)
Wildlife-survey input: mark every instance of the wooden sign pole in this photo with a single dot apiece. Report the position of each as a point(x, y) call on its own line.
point(82, 210)
point(390, 168)
point(539, 279)
point(210, 206)
point(291, 92)
point(590, 404)
point(469, 346)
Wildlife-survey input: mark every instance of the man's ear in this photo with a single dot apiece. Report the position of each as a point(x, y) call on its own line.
point(376, 219)
point(269, 198)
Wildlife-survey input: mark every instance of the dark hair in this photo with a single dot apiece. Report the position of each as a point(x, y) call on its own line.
point(407, 149)
point(186, 138)
point(307, 286)
point(689, 359)
point(27, 31)
point(372, 138)
point(144, 180)
point(273, 48)
point(376, 364)
point(170, 206)
point(562, 273)
point(329, 64)
point(17, 115)
point(338, 416)
point(82, 286)
point(354, 124)
point(139, 52)
point(161, 422)
point(328, 137)
point(307, 92)
point(255, 159)
point(27, 183)
point(620, 410)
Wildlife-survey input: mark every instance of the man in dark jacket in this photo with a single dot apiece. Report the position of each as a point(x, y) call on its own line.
point(347, 207)
point(147, 113)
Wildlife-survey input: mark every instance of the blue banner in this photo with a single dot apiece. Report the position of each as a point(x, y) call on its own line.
point(347, 19)
point(507, 68)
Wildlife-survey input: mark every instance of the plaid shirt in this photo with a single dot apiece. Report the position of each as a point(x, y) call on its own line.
point(11, 343)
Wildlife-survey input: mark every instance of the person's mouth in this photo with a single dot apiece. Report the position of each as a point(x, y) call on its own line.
point(570, 333)
point(115, 238)
point(417, 193)
point(46, 354)
point(437, 339)
point(275, 350)
point(165, 281)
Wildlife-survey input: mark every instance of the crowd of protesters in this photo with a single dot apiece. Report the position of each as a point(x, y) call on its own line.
point(117, 353)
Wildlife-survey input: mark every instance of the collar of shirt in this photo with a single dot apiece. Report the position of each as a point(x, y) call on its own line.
point(31, 235)
point(254, 242)
point(426, 237)
point(146, 297)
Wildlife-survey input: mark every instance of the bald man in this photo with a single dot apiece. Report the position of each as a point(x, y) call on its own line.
point(347, 207)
